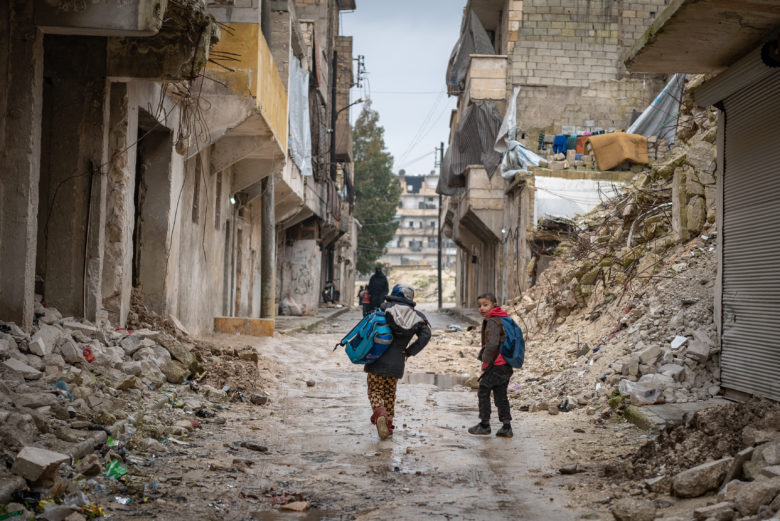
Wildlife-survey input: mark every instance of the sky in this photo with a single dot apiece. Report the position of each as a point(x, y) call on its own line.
point(406, 45)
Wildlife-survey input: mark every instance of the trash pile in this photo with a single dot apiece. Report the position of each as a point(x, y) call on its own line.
point(81, 406)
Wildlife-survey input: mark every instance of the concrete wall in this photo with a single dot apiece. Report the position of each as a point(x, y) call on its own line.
point(515, 251)
point(72, 156)
point(300, 273)
point(567, 58)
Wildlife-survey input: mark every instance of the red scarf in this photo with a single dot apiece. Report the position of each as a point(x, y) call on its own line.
point(496, 312)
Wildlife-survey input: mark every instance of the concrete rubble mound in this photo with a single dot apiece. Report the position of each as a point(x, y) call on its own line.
point(82, 404)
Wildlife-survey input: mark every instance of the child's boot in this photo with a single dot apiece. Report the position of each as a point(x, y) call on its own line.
point(480, 428)
point(380, 418)
point(505, 431)
point(390, 425)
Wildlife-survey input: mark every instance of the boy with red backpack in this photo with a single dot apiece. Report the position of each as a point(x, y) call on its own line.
point(496, 371)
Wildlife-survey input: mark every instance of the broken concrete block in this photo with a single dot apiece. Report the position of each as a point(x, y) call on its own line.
point(132, 368)
point(722, 511)
point(54, 512)
point(179, 352)
point(737, 465)
point(85, 329)
point(35, 400)
point(698, 351)
point(631, 509)
point(38, 346)
point(131, 343)
point(557, 165)
point(70, 351)
point(699, 480)
point(753, 436)
point(28, 372)
point(32, 463)
point(174, 371)
point(677, 372)
point(751, 496)
point(764, 455)
point(772, 471)
point(34, 361)
point(649, 355)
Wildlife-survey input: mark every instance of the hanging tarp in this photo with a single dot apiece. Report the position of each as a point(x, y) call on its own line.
point(472, 144)
point(473, 40)
point(516, 157)
point(660, 117)
point(300, 128)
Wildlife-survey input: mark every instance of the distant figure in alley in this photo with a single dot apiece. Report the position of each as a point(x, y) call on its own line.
point(378, 288)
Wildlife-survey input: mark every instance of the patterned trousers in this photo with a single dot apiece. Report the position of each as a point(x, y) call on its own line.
point(381, 392)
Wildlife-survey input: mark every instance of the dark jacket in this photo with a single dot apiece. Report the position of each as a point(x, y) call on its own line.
point(492, 338)
point(378, 288)
point(392, 362)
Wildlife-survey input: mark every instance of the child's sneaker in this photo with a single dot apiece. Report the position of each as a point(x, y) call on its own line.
point(382, 428)
point(480, 428)
point(505, 431)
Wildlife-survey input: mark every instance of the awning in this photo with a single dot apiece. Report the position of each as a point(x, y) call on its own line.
point(702, 36)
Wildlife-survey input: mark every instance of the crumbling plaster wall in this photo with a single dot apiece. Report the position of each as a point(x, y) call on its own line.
point(72, 190)
point(515, 251)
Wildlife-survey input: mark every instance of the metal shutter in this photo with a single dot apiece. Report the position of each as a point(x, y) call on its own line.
point(750, 359)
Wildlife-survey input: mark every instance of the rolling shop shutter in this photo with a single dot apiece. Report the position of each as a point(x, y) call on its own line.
point(750, 358)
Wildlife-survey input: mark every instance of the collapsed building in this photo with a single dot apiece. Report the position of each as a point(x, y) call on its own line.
point(184, 153)
point(565, 61)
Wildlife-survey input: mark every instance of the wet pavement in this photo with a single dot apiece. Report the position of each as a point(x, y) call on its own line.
point(322, 450)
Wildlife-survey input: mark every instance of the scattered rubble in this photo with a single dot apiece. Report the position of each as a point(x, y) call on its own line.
point(83, 406)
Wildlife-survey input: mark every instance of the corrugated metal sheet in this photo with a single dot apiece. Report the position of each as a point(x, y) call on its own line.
point(750, 358)
point(743, 73)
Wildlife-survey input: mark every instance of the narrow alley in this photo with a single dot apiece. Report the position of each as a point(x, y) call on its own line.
point(200, 198)
point(322, 450)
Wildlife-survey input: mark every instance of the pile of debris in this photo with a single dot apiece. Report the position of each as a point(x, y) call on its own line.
point(625, 306)
point(79, 404)
point(732, 451)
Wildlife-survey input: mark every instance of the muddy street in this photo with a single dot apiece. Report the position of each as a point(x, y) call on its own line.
point(322, 450)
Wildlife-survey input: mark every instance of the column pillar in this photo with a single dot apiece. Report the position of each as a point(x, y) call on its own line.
point(268, 252)
point(21, 75)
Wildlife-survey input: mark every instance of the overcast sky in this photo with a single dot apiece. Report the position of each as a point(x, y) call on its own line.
point(406, 45)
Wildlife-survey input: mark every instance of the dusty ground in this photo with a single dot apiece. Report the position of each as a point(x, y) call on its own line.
point(321, 449)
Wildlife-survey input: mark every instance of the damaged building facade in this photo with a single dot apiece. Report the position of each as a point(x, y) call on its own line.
point(148, 158)
point(738, 48)
point(566, 61)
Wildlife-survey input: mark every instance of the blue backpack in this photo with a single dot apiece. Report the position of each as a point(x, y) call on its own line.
point(368, 340)
point(513, 348)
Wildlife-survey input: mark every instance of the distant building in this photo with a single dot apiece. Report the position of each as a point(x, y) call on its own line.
point(416, 239)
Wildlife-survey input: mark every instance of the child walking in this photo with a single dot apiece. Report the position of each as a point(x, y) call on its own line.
point(496, 372)
point(405, 322)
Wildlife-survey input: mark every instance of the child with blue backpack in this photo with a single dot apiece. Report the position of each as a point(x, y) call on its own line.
point(405, 322)
point(496, 371)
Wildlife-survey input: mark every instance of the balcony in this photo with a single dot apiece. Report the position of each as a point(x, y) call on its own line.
point(485, 79)
point(253, 87)
point(481, 207)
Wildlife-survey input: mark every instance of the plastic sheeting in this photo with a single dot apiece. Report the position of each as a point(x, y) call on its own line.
point(472, 144)
point(300, 128)
point(660, 117)
point(516, 157)
point(473, 40)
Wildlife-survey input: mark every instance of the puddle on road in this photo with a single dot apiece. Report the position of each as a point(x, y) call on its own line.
point(442, 381)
